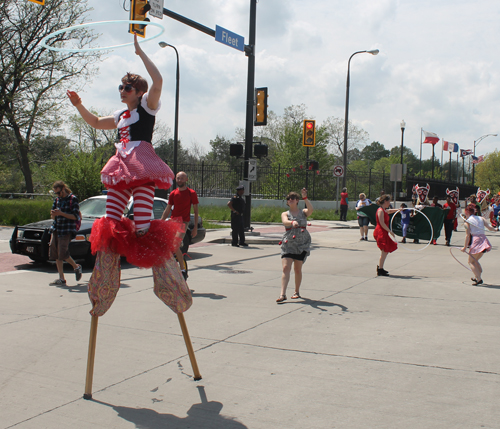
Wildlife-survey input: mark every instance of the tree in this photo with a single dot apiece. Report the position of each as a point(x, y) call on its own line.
point(33, 79)
point(409, 158)
point(334, 129)
point(486, 172)
point(88, 138)
point(374, 151)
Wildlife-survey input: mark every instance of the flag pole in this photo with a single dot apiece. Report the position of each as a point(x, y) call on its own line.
point(458, 165)
point(442, 150)
point(450, 167)
point(90, 358)
point(421, 130)
point(432, 175)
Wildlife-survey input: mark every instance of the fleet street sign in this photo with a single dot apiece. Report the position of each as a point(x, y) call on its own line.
point(229, 38)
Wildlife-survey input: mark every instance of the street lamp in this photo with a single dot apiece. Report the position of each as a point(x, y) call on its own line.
point(176, 120)
point(346, 121)
point(403, 126)
point(476, 142)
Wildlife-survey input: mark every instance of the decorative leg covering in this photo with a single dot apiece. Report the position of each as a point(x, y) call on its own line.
point(104, 282)
point(171, 287)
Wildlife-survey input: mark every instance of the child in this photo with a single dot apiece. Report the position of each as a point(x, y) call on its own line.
point(405, 220)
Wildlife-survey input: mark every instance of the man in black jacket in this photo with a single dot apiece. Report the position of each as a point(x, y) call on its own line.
point(237, 207)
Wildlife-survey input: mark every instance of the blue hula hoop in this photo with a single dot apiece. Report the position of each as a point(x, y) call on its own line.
point(90, 24)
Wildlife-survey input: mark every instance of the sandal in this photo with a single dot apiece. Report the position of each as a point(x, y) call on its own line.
point(296, 296)
point(477, 282)
point(281, 298)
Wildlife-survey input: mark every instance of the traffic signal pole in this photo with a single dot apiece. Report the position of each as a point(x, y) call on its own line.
point(250, 53)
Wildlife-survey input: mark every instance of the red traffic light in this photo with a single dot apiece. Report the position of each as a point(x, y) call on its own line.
point(309, 125)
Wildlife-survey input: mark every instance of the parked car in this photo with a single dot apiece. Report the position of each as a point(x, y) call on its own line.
point(33, 239)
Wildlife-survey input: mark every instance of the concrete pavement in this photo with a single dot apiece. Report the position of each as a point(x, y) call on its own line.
point(416, 350)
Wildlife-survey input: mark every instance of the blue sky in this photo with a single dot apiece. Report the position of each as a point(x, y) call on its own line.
point(438, 67)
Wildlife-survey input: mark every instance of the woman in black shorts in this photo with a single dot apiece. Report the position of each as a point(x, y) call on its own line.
point(296, 242)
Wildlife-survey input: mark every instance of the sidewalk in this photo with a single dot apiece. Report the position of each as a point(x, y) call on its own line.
point(418, 349)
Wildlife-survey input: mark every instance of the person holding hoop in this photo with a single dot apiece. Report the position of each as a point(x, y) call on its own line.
point(135, 170)
point(296, 242)
point(474, 227)
point(382, 231)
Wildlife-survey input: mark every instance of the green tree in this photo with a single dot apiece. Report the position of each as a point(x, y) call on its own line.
point(374, 151)
point(409, 158)
point(33, 79)
point(334, 129)
point(486, 172)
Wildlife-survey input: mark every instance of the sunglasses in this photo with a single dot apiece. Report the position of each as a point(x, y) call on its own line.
point(126, 88)
point(57, 192)
point(292, 198)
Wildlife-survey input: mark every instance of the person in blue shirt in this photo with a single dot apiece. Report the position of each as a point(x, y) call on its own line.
point(405, 220)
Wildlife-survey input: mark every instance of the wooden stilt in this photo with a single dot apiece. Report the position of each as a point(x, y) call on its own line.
point(189, 346)
point(90, 358)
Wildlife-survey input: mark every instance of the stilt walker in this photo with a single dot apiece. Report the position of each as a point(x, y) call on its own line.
point(134, 171)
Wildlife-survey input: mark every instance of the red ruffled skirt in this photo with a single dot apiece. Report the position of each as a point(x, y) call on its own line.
point(141, 166)
point(146, 251)
point(384, 241)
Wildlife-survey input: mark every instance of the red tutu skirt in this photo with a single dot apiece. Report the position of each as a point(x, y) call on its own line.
point(384, 241)
point(146, 251)
point(141, 166)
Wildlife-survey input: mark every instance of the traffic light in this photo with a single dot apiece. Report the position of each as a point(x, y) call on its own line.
point(236, 149)
point(309, 133)
point(260, 106)
point(260, 150)
point(138, 11)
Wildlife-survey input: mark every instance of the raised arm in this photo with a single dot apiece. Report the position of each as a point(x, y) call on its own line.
point(309, 207)
point(100, 123)
point(154, 92)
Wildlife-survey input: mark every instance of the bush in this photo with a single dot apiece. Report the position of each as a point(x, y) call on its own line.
point(23, 211)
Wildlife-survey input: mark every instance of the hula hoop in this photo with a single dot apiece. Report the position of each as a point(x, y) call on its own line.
point(106, 48)
point(430, 224)
point(451, 253)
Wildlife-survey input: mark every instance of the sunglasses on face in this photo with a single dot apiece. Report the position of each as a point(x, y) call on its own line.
point(292, 198)
point(57, 192)
point(126, 88)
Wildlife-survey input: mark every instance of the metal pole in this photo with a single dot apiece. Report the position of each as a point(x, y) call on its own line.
point(473, 165)
point(250, 53)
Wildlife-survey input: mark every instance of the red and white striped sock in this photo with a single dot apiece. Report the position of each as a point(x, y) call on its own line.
point(116, 201)
point(143, 206)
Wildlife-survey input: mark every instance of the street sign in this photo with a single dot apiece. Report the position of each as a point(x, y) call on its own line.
point(252, 170)
point(338, 171)
point(156, 8)
point(229, 38)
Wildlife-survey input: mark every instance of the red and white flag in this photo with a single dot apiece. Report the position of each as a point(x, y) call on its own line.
point(431, 138)
point(477, 159)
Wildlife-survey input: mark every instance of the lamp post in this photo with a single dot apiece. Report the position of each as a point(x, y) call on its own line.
point(476, 142)
point(403, 126)
point(176, 115)
point(346, 121)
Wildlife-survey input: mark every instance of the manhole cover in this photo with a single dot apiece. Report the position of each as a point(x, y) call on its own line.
point(236, 272)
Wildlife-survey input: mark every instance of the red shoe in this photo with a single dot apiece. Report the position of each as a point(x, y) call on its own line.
point(434, 242)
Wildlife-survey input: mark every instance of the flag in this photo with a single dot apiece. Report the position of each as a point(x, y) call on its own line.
point(465, 152)
point(431, 138)
point(449, 146)
point(477, 159)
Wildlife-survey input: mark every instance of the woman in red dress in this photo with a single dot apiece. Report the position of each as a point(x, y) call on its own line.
point(385, 243)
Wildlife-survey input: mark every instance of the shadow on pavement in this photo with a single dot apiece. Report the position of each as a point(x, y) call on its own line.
point(204, 415)
point(316, 304)
point(207, 295)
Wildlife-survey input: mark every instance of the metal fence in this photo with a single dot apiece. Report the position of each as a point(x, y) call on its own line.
point(220, 180)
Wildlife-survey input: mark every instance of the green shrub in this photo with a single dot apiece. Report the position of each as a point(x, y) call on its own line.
point(23, 211)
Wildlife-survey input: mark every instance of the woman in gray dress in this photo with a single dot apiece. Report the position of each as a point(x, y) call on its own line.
point(296, 242)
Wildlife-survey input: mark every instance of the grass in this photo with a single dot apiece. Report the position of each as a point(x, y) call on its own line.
point(23, 211)
point(265, 214)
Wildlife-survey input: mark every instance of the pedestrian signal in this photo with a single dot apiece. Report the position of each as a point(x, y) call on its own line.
point(260, 106)
point(138, 11)
point(236, 149)
point(309, 133)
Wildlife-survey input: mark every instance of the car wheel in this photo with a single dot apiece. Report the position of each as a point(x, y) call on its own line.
point(39, 260)
point(90, 259)
point(185, 243)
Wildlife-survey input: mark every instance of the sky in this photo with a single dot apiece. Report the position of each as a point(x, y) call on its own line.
point(438, 66)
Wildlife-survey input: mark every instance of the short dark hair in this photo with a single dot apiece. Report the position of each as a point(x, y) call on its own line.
point(137, 81)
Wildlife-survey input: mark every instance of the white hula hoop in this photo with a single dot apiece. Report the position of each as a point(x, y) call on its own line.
point(467, 253)
point(106, 48)
point(430, 224)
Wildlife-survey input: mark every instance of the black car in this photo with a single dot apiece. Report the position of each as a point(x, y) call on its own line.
point(33, 239)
